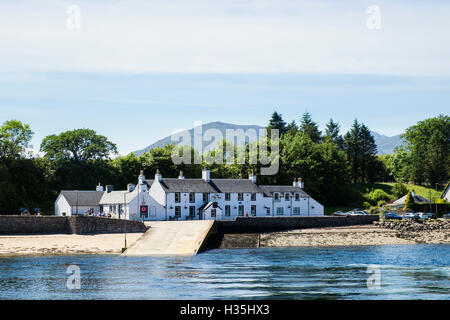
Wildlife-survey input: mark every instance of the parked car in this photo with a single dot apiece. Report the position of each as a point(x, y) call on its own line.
point(391, 215)
point(411, 215)
point(426, 215)
point(340, 213)
point(446, 216)
point(358, 213)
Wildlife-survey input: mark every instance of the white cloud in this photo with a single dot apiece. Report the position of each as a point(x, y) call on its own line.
point(226, 36)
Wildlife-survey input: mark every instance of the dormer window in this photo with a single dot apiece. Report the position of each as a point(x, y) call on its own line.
point(297, 197)
point(240, 196)
point(205, 197)
point(192, 197)
point(253, 197)
point(287, 196)
point(227, 197)
point(177, 197)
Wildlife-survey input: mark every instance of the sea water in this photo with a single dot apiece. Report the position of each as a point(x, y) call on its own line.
point(360, 272)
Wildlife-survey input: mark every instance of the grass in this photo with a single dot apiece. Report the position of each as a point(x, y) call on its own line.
point(421, 191)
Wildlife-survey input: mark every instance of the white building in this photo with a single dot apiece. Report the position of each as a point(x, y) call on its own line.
point(193, 199)
point(446, 193)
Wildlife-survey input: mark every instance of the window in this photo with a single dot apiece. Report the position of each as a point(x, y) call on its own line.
point(178, 211)
point(296, 210)
point(276, 196)
point(253, 197)
point(287, 196)
point(268, 211)
point(227, 211)
point(227, 197)
point(177, 197)
point(280, 211)
point(192, 211)
point(297, 197)
point(192, 197)
point(253, 211)
point(213, 213)
point(241, 211)
point(240, 196)
point(205, 197)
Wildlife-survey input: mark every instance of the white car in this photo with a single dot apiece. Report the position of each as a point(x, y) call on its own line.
point(411, 215)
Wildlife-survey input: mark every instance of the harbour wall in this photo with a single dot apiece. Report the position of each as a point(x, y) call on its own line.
point(273, 224)
point(67, 225)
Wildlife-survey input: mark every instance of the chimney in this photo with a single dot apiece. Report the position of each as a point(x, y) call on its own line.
point(295, 182)
point(206, 174)
point(300, 183)
point(130, 187)
point(99, 187)
point(181, 176)
point(109, 188)
point(141, 179)
point(252, 177)
point(158, 176)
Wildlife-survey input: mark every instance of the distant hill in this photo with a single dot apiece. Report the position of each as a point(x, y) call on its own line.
point(384, 143)
point(221, 126)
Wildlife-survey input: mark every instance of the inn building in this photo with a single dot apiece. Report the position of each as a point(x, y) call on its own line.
point(191, 199)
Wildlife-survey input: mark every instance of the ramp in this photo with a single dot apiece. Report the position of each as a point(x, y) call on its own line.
point(168, 238)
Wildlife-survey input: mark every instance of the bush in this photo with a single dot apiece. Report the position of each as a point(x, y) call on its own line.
point(366, 205)
point(399, 190)
point(376, 195)
point(409, 201)
point(381, 203)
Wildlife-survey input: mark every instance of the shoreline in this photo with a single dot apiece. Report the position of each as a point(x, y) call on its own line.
point(112, 243)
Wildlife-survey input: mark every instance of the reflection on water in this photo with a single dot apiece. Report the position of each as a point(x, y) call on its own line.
point(407, 272)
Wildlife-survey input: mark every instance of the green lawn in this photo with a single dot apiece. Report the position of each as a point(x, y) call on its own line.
point(421, 190)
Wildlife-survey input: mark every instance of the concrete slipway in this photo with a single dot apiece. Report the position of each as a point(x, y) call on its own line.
point(169, 238)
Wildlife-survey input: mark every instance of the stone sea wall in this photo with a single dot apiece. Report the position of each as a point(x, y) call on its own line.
point(271, 224)
point(67, 225)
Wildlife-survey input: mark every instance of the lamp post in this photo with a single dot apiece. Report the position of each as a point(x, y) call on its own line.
point(125, 219)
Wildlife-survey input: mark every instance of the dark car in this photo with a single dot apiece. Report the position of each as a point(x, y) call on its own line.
point(391, 215)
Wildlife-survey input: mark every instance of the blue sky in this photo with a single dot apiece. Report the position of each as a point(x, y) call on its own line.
point(136, 71)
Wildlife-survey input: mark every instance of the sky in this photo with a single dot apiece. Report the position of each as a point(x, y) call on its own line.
point(136, 71)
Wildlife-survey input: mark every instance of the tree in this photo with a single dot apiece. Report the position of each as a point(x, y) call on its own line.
point(332, 133)
point(292, 128)
point(79, 145)
point(277, 122)
point(368, 154)
point(14, 139)
point(310, 128)
point(429, 144)
point(409, 201)
point(352, 148)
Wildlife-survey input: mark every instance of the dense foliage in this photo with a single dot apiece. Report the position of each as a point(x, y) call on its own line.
point(330, 164)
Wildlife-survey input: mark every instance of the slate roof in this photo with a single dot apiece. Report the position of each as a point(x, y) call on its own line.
point(187, 185)
point(82, 198)
point(117, 197)
point(269, 190)
point(417, 199)
point(236, 186)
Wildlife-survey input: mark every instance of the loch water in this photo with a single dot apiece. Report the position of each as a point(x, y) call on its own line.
point(361, 272)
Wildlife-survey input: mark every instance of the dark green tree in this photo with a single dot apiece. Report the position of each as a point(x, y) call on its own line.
point(310, 128)
point(332, 133)
point(277, 122)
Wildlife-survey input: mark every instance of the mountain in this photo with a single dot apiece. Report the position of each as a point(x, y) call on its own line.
point(207, 145)
point(384, 143)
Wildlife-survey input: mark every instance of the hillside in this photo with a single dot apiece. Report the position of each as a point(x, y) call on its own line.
point(384, 143)
point(221, 126)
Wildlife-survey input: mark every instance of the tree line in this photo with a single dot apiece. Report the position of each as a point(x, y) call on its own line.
point(329, 162)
